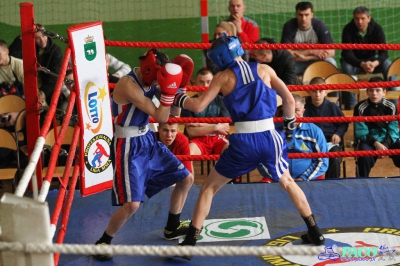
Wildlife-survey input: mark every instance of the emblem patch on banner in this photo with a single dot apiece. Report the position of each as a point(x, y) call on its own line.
point(90, 48)
point(97, 154)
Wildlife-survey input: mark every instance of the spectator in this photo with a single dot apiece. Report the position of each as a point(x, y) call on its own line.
point(224, 27)
point(279, 60)
point(119, 68)
point(362, 29)
point(247, 29)
point(176, 142)
point(307, 137)
point(11, 72)
point(49, 55)
point(318, 106)
point(375, 135)
point(304, 28)
point(205, 138)
point(16, 47)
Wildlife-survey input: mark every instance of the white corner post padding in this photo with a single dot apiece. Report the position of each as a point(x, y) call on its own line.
point(25, 220)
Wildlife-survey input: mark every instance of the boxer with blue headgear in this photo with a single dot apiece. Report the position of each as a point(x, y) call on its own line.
point(224, 50)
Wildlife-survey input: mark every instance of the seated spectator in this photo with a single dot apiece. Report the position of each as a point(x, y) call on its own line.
point(16, 47)
point(362, 29)
point(375, 135)
point(279, 60)
point(247, 29)
point(318, 106)
point(176, 142)
point(118, 68)
point(11, 72)
point(223, 27)
point(304, 28)
point(307, 138)
point(205, 138)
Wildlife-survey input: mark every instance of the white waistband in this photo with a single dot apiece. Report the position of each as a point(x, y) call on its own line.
point(254, 126)
point(129, 132)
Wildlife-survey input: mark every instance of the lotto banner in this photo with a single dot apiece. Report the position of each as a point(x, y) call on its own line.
point(90, 74)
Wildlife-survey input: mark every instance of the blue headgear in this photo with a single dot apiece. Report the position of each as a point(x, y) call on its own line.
point(224, 51)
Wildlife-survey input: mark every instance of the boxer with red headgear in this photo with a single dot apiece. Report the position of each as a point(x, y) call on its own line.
point(136, 150)
point(150, 64)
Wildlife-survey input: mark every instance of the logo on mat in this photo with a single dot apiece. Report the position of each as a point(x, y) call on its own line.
point(90, 48)
point(375, 245)
point(234, 229)
point(97, 153)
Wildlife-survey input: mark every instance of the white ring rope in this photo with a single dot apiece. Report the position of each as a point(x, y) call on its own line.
point(166, 251)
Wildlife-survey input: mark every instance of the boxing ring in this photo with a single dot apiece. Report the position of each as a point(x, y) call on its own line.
point(249, 224)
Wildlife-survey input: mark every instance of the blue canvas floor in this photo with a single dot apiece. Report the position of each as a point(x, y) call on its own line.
point(349, 205)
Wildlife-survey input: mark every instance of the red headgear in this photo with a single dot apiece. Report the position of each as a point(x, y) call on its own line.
point(149, 67)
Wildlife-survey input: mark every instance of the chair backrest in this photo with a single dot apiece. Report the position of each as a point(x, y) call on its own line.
point(341, 78)
point(11, 103)
point(318, 69)
point(7, 140)
point(394, 70)
point(20, 121)
point(50, 138)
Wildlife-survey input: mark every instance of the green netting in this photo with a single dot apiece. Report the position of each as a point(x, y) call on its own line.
point(179, 20)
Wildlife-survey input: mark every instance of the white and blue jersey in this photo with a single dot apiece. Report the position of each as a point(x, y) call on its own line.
point(142, 164)
point(252, 105)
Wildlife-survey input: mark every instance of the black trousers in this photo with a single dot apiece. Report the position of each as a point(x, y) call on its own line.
point(365, 164)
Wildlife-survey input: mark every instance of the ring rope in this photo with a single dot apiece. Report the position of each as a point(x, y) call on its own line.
point(164, 251)
point(286, 46)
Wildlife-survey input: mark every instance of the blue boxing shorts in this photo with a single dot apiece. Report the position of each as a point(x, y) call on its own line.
point(143, 166)
point(247, 150)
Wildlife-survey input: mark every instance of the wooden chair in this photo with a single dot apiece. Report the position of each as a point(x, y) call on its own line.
point(19, 127)
point(342, 78)
point(11, 103)
point(50, 140)
point(321, 69)
point(8, 141)
point(394, 70)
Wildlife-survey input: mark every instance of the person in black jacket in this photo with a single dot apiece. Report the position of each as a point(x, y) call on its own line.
point(281, 61)
point(362, 29)
point(49, 55)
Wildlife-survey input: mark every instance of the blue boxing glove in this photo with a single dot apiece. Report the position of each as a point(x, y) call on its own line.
point(288, 127)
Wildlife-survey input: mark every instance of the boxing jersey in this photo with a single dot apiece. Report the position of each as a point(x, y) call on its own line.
point(257, 100)
point(127, 114)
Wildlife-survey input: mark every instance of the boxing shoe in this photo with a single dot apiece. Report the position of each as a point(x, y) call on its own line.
point(190, 240)
point(313, 236)
point(180, 231)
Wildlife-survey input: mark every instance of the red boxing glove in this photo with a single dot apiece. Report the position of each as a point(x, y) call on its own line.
point(169, 77)
point(187, 65)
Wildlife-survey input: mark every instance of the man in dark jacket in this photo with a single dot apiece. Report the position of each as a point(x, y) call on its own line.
point(279, 60)
point(363, 29)
point(49, 55)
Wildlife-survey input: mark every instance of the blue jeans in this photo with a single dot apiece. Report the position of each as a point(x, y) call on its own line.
point(349, 98)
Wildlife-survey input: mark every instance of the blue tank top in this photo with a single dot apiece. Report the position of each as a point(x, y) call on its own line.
point(251, 99)
point(127, 114)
